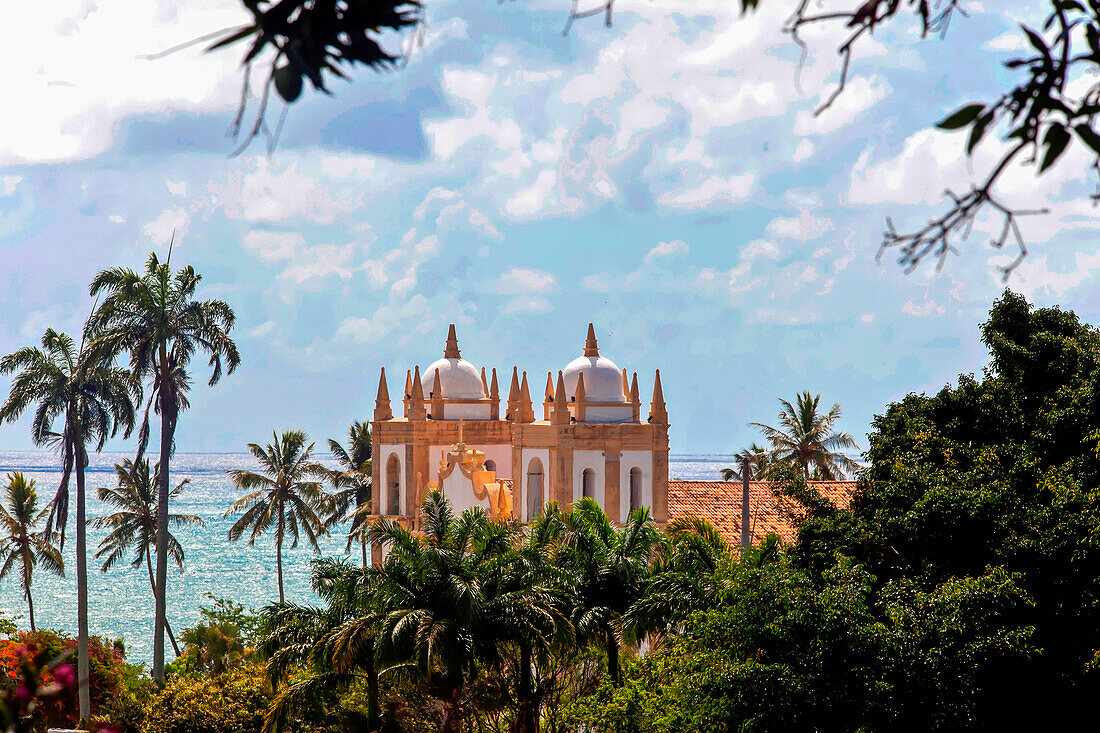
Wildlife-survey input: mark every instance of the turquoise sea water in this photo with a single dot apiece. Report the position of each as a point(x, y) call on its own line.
point(120, 602)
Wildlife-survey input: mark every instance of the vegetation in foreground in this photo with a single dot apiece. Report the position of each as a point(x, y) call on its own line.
point(958, 591)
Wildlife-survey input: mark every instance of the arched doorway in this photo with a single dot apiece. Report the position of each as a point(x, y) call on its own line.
point(635, 489)
point(534, 488)
point(588, 484)
point(393, 486)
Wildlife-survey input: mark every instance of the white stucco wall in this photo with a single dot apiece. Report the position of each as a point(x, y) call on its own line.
point(642, 459)
point(593, 459)
point(529, 454)
point(465, 412)
point(460, 490)
point(613, 413)
point(387, 451)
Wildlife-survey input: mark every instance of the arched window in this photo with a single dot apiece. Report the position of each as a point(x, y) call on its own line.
point(393, 486)
point(635, 488)
point(490, 465)
point(588, 484)
point(534, 488)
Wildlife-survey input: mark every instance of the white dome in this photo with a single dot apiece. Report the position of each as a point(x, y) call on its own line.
point(458, 378)
point(603, 381)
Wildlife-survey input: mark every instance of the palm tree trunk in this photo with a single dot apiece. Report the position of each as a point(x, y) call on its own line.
point(527, 716)
point(613, 659)
point(453, 715)
point(82, 671)
point(27, 583)
point(279, 555)
point(153, 585)
point(363, 543)
point(373, 716)
point(160, 592)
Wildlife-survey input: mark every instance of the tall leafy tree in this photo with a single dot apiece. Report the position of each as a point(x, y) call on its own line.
point(285, 498)
point(21, 546)
point(439, 610)
point(609, 567)
point(807, 439)
point(155, 319)
point(759, 460)
point(352, 481)
point(94, 400)
point(133, 528)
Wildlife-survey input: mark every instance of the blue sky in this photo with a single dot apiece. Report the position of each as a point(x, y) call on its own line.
point(664, 178)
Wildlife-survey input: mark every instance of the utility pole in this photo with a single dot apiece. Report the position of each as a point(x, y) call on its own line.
point(746, 476)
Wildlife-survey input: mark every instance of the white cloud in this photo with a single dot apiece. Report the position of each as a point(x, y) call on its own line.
point(804, 151)
point(523, 280)
point(710, 191)
point(533, 200)
point(760, 248)
point(171, 223)
point(527, 304)
point(803, 227)
point(266, 191)
point(675, 248)
point(272, 246)
point(926, 307)
point(859, 96)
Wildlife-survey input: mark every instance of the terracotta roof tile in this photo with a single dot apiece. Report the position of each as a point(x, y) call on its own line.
point(719, 502)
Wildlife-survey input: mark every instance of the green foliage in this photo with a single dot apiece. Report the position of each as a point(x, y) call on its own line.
point(192, 703)
point(225, 639)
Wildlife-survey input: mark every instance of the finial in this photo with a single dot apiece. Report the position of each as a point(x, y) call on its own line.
point(484, 383)
point(579, 397)
point(626, 385)
point(560, 414)
point(382, 401)
point(416, 400)
point(658, 414)
point(408, 391)
point(591, 348)
point(548, 397)
point(451, 352)
point(437, 397)
point(513, 397)
point(494, 397)
point(635, 400)
point(527, 413)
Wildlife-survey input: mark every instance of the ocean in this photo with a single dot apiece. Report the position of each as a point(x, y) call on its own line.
point(120, 602)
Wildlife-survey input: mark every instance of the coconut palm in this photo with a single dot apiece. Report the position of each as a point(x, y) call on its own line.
point(284, 498)
point(439, 609)
point(94, 400)
point(20, 545)
point(352, 481)
point(760, 461)
point(609, 567)
point(806, 439)
point(134, 527)
point(311, 650)
point(155, 319)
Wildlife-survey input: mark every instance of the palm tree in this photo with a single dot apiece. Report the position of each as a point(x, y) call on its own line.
point(156, 320)
point(312, 650)
point(283, 496)
point(760, 461)
point(352, 482)
point(609, 567)
point(20, 544)
point(440, 612)
point(806, 439)
point(134, 526)
point(94, 399)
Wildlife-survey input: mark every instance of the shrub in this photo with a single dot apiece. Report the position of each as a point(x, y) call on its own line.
point(233, 702)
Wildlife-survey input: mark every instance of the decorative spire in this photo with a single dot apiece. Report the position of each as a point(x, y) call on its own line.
point(579, 397)
point(484, 384)
point(635, 400)
point(526, 412)
point(626, 385)
point(513, 397)
point(416, 399)
point(408, 391)
point(548, 397)
point(560, 414)
point(591, 348)
point(451, 350)
point(437, 397)
point(382, 401)
point(658, 415)
point(494, 398)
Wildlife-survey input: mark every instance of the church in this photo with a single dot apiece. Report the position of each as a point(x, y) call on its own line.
point(456, 434)
point(593, 439)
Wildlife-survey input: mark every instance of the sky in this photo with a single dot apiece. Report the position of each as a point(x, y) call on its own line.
point(665, 178)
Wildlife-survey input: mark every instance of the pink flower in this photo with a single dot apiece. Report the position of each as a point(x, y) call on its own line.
point(22, 693)
point(65, 675)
